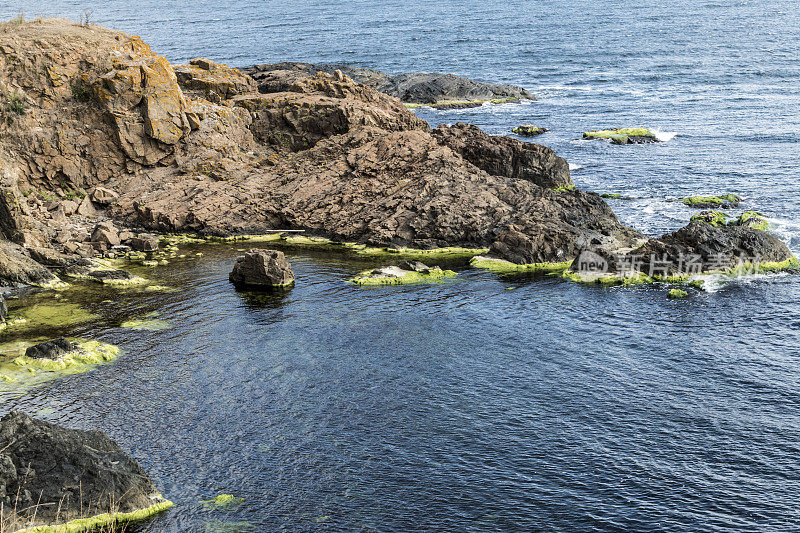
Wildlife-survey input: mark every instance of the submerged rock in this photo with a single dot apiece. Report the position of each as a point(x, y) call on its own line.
point(49, 473)
point(261, 268)
point(429, 88)
point(623, 135)
point(51, 350)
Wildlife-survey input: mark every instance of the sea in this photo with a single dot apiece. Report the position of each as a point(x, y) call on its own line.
point(484, 403)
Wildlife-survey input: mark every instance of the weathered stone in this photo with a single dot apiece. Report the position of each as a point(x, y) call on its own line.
point(414, 266)
point(103, 196)
point(205, 76)
point(504, 156)
point(262, 268)
point(428, 88)
point(52, 350)
point(106, 233)
point(18, 268)
point(86, 209)
point(144, 242)
point(3, 309)
point(51, 473)
point(69, 207)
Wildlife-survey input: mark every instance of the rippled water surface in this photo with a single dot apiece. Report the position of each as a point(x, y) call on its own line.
point(482, 403)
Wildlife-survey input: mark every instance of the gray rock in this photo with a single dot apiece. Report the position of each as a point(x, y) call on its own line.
point(52, 472)
point(17, 268)
point(53, 350)
point(262, 268)
point(418, 88)
point(414, 266)
point(3, 309)
point(504, 156)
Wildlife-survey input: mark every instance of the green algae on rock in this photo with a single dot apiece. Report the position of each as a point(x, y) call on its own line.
point(611, 196)
point(49, 314)
point(677, 293)
point(528, 130)
point(751, 219)
point(501, 266)
point(102, 522)
point(715, 218)
point(398, 276)
point(623, 135)
point(724, 201)
point(222, 501)
point(21, 372)
point(149, 322)
point(88, 354)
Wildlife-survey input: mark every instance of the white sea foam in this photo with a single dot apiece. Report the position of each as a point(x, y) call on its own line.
point(573, 167)
point(664, 136)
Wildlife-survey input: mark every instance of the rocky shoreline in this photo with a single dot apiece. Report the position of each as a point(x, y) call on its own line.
point(111, 156)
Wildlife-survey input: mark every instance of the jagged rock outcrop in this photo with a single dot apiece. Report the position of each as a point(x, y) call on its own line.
point(419, 88)
point(17, 268)
point(504, 156)
point(259, 268)
point(112, 130)
point(714, 247)
point(54, 473)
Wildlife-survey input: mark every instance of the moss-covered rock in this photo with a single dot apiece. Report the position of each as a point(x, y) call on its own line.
point(402, 275)
point(623, 135)
point(528, 130)
point(501, 266)
point(724, 201)
point(751, 219)
point(715, 218)
point(677, 293)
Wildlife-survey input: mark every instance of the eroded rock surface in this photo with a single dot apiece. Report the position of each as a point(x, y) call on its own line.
point(112, 130)
point(260, 268)
point(50, 472)
point(419, 88)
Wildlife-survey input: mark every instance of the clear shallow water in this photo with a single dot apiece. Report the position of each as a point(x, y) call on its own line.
point(465, 405)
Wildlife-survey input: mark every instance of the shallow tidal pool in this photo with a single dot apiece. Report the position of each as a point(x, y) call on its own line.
point(501, 403)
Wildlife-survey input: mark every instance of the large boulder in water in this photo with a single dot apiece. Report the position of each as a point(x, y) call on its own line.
point(51, 473)
point(694, 249)
point(714, 247)
point(504, 156)
point(260, 268)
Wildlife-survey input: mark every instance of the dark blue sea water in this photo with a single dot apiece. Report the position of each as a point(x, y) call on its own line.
point(467, 406)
